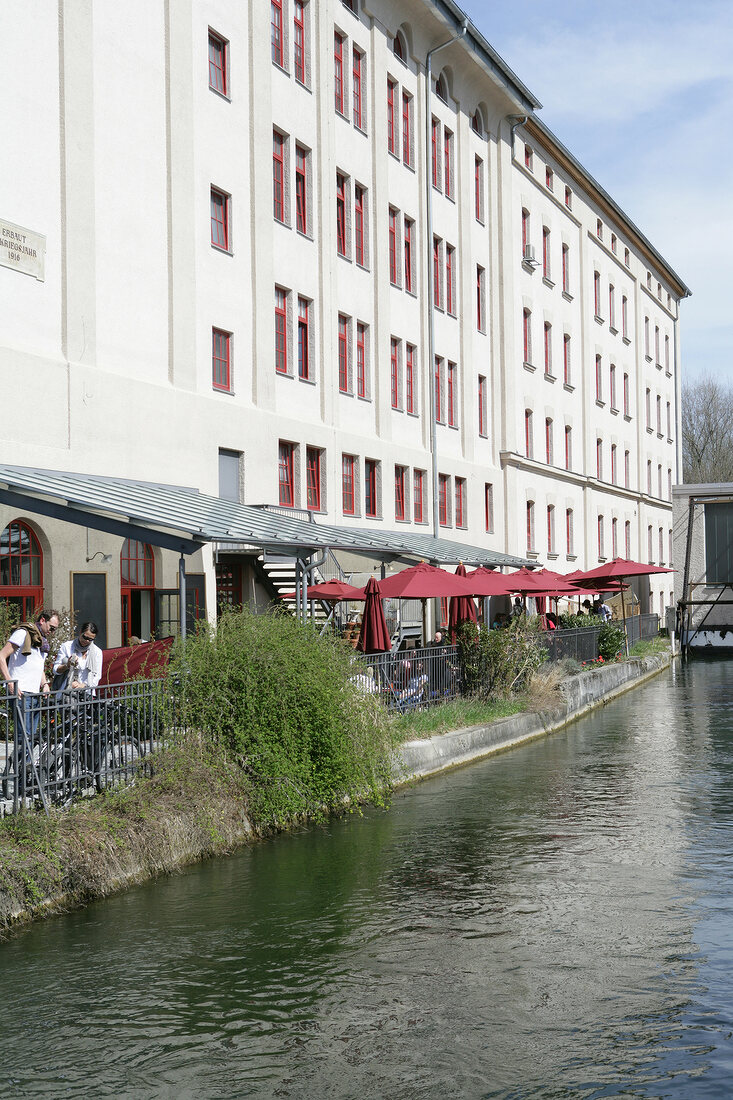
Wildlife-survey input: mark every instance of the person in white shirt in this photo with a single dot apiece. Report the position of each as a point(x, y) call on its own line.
point(82, 657)
point(22, 658)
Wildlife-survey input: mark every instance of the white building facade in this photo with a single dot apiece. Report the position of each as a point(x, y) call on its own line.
point(234, 288)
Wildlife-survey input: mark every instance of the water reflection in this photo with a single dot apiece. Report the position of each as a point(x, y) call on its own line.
point(551, 923)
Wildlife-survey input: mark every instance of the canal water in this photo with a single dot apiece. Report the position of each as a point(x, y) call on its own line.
point(554, 922)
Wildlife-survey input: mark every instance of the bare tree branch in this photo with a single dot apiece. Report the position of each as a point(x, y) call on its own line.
point(707, 431)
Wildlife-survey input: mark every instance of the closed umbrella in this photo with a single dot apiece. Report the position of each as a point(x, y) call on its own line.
point(462, 608)
point(374, 635)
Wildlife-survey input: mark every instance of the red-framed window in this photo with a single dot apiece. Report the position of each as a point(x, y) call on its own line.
point(528, 154)
point(528, 434)
point(393, 273)
point(599, 229)
point(438, 371)
point(599, 378)
point(612, 385)
point(614, 244)
point(437, 298)
point(443, 490)
point(137, 583)
point(359, 225)
point(548, 348)
point(625, 317)
point(627, 468)
point(549, 449)
point(549, 179)
point(450, 290)
point(566, 358)
point(451, 394)
point(550, 528)
point(659, 415)
point(218, 63)
point(435, 154)
point(299, 39)
point(398, 48)
point(361, 368)
point(303, 340)
point(410, 378)
point(407, 129)
point(278, 176)
point(566, 269)
point(612, 305)
point(545, 252)
point(400, 477)
point(568, 198)
point(221, 367)
point(460, 501)
point(489, 507)
point(569, 530)
point(613, 466)
point(418, 492)
point(649, 477)
point(669, 421)
point(597, 293)
point(448, 162)
point(601, 540)
point(348, 498)
point(313, 478)
point(281, 331)
point(525, 229)
point(626, 395)
point(478, 183)
point(657, 357)
point(568, 447)
point(477, 124)
point(482, 410)
point(286, 474)
point(666, 355)
point(650, 544)
point(527, 335)
point(627, 540)
point(649, 409)
point(301, 192)
point(480, 298)
point(599, 459)
point(394, 372)
point(530, 525)
point(338, 71)
point(343, 352)
point(21, 570)
point(357, 70)
point(391, 128)
point(647, 346)
point(370, 488)
point(409, 227)
point(219, 219)
point(276, 10)
point(341, 214)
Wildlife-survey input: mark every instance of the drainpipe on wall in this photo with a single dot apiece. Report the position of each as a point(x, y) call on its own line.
point(431, 288)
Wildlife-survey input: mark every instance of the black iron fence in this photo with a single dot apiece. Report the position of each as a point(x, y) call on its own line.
point(58, 747)
point(416, 678)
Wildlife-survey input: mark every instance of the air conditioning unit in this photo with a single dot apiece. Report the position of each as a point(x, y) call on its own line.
point(529, 256)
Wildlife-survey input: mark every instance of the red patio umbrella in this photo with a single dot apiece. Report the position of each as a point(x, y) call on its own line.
point(334, 591)
point(462, 608)
point(485, 582)
point(620, 569)
point(424, 582)
point(373, 636)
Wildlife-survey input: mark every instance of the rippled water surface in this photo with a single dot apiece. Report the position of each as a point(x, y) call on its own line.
point(555, 922)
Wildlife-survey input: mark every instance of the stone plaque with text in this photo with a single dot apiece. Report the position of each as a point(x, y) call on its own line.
point(22, 250)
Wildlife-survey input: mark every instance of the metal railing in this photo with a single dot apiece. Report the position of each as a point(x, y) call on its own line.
point(416, 678)
point(413, 678)
point(57, 748)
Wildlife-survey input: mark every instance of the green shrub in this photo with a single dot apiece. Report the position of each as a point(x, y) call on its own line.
point(498, 663)
point(578, 622)
point(278, 697)
point(610, 641)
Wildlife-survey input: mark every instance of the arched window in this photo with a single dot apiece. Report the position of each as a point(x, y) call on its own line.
point(137, 586)
point(21, 570)
point(398, 46)
point(477, 124)
point(441, 88)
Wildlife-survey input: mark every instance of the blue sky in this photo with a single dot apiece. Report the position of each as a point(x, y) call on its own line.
point(642, 94)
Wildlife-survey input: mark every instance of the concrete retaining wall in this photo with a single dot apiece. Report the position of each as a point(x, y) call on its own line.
point(422, 758)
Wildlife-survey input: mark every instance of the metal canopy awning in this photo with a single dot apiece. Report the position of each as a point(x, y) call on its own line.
point(182, 519)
